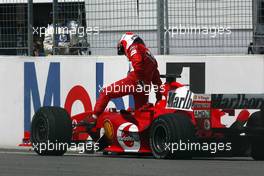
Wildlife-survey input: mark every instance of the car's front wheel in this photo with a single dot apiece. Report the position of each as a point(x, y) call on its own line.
point(51, 131)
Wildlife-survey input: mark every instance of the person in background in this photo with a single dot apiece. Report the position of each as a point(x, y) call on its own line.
point(38, 48)
point(67, 39)
point(250, 48)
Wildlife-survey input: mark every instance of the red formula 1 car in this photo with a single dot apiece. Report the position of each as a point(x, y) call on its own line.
point(181, 125)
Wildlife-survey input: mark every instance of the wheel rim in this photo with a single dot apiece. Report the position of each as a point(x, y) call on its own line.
point(159, 139)
point(41, 130)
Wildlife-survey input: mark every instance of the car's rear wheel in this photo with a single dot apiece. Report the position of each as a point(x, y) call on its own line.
point(51, 131)
point(168, 132)
point(257, 140)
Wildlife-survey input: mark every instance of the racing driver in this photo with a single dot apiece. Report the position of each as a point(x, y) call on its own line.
point(145, 71)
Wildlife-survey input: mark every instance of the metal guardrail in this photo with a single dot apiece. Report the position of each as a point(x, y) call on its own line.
point(167, 26)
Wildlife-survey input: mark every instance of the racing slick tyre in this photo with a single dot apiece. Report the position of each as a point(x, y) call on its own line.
point(51, 131)
point(257, 141)
point(169, 131)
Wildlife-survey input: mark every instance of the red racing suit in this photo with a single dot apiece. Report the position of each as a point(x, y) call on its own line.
point(145, 69)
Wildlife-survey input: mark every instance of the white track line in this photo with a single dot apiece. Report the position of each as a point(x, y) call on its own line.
point(17, 152)
point(33, 153)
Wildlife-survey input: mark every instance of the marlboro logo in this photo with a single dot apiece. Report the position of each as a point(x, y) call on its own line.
point(238, 101)
point(181, 99)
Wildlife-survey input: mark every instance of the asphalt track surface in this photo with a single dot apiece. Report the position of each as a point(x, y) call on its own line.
point(16, 162)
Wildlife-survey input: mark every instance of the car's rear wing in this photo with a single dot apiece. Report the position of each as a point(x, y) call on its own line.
point(231, 101)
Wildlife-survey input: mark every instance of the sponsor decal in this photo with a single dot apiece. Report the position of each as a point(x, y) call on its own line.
point(181, 99)
point(202, 114)
point(202, 97)
point(128, 137)
point(201, 105)
point(238, 101)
